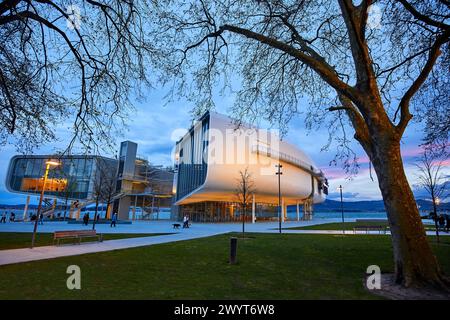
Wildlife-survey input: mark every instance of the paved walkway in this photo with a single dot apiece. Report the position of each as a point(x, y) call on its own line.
point(197, 230)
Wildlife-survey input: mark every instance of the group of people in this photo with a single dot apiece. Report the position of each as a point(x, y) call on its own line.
point(86, 218)
point(12, 217)
point(33, 216)
point(113, 219)
point(443, 221)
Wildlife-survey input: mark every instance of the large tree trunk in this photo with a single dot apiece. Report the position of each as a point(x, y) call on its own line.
point(415, 263)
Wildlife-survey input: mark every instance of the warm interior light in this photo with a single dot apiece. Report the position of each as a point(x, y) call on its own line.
point(53, 163)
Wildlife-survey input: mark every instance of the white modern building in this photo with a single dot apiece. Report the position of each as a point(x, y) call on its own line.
point(210, 157)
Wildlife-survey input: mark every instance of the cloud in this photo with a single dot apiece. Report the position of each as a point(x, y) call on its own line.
point(153, 125)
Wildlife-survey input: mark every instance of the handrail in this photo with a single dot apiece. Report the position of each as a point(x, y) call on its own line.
point(287, 158)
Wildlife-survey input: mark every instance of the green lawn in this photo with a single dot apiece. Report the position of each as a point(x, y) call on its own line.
point(271, 266)
point(16, 240)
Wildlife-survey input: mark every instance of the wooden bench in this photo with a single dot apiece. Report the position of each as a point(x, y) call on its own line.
point(369, 228)
point(76, 234)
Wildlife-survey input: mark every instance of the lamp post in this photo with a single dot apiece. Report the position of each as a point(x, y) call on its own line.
point(47, 168)
point(279, 173)
point(342, 210)
point(437, 202)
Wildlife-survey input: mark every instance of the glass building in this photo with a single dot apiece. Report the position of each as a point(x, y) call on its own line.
point(129, 183)
point(73, 179)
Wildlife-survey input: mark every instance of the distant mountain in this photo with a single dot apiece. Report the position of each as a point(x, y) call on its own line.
point(373, 206)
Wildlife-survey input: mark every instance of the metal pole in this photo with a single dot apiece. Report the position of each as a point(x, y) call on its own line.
point(279, 173)
point(342, 211)
point(233, 250)
point(47, 167)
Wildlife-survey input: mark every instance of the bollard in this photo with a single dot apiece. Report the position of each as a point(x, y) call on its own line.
point(233, 250)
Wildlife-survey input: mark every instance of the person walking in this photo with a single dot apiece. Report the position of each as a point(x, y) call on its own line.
point(86, 219)
point(41, 218)
point(3, 220)
point(185, 221)
point(113, 220)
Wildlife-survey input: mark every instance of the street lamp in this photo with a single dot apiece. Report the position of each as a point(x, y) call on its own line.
point(342, 210)
point(47, 168)
point(438, 201)
point(279, 173)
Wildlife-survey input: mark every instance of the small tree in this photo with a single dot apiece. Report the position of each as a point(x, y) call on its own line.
point(432, 180)
point(104, 185)
point(71, 186)
point(244, 192)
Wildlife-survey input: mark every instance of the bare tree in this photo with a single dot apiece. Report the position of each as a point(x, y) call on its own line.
point(70, 188)
point(104, 184)
point(352, 73)
point(109, 189)
point(244, 191)
point(76, 60)
point(433, 181)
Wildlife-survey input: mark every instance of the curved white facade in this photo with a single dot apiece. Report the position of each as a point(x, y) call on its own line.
point(215, 145)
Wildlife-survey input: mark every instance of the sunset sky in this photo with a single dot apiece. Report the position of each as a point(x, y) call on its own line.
point(153, 123)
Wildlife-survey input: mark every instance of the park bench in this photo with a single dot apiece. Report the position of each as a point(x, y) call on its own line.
point(368, 228)
point(76, 234)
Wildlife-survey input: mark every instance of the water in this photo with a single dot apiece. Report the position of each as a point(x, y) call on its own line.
point(350, 215)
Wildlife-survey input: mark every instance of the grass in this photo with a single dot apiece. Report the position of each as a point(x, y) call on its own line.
point(16, 240)
point(270, 266)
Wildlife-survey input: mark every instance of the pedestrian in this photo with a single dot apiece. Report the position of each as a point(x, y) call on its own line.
point(185, 221)
point(98, 217)
point(113, 220)
point(447, 222)
point(3, 220)
point(86, 219)
point(41, 218)
point(441, 221)
point(12, 216)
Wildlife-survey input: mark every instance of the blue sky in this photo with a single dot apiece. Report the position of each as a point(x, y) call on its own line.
point(153, 123)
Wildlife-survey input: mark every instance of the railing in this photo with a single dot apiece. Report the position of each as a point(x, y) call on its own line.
point(133, 178)
point(274, 154)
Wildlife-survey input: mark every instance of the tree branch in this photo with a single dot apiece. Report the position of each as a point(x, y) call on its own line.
point(327, 73)
point(424, 18)
point(435, 52)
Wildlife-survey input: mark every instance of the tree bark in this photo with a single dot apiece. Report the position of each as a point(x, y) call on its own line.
point(415, 263)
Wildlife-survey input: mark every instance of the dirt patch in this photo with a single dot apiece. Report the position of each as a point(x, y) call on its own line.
point(391, 290)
